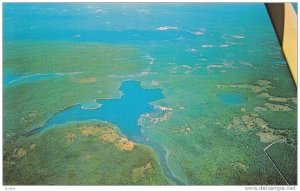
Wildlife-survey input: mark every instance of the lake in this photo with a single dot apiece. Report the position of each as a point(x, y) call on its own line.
point(123, 112)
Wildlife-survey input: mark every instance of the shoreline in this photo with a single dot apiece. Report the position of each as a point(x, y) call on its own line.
point(158, 150)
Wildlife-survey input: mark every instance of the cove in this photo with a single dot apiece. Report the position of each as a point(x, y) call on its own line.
point(232, 98)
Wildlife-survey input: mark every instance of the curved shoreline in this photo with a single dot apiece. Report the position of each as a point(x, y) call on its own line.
point(159, 150)
point(162, 156)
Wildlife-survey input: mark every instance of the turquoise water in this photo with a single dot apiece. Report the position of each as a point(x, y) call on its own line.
point(231, 98)
point(123, 112)
point(10, 79)
point(295, 6)
point(188, 49)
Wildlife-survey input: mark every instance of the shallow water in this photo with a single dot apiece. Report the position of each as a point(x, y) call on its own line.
point(90, 105)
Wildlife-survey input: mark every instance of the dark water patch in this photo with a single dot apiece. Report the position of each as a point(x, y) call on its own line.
point(295, 6)
point(232, 98)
